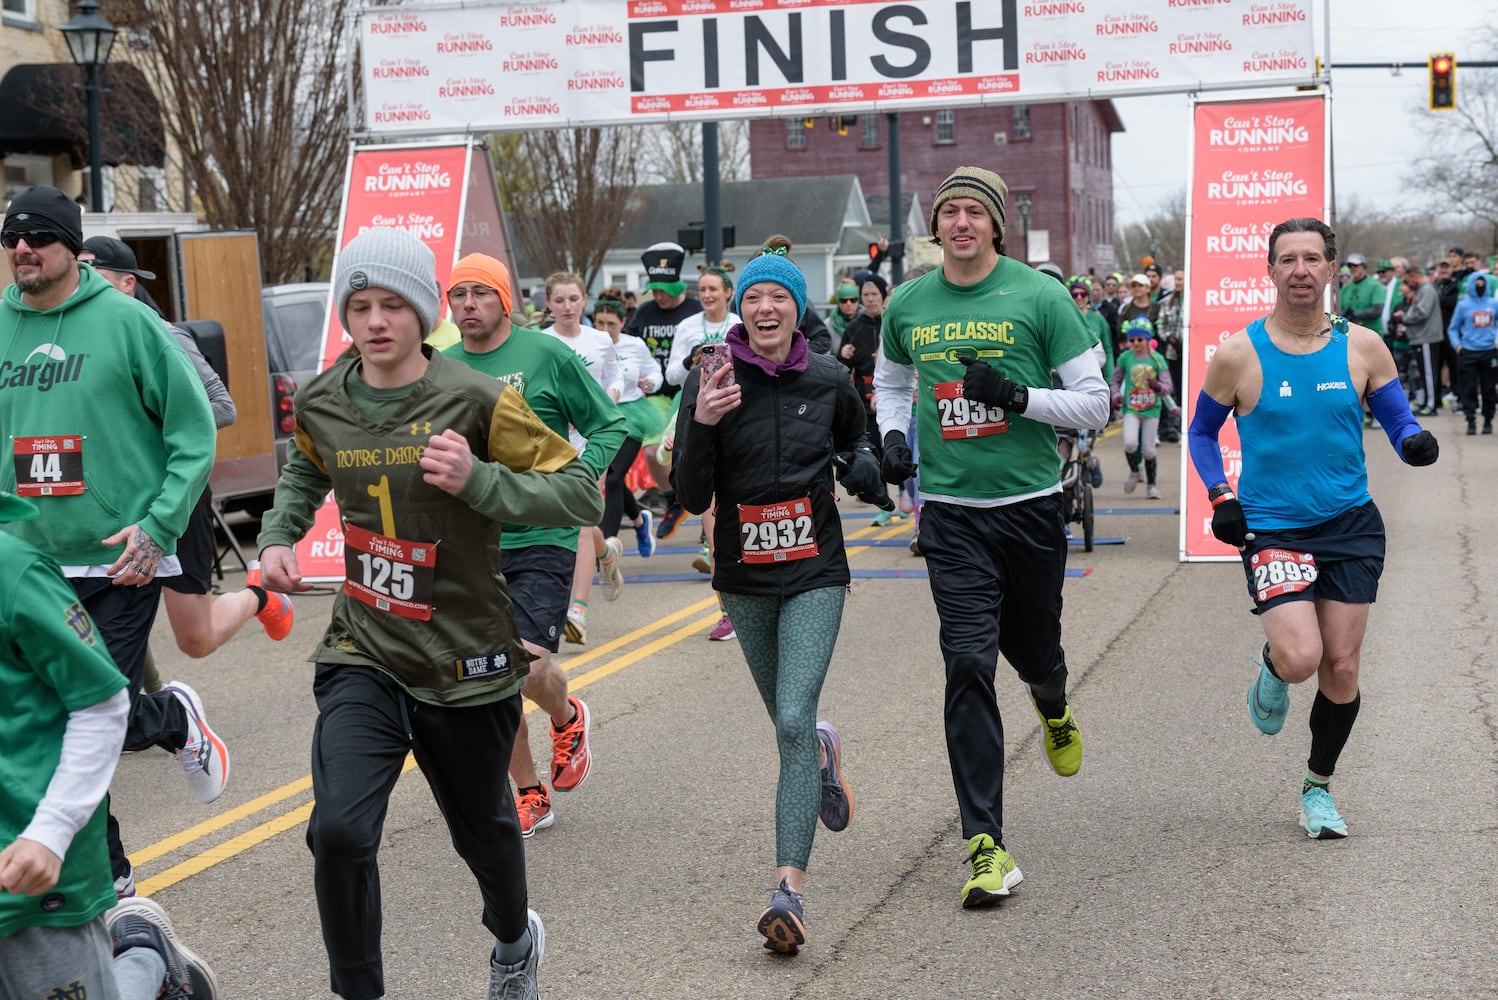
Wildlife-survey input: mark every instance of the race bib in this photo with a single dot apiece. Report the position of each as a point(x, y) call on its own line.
point(1141, 400)
point(1279, 571)
point(49, 466)
point(1482, 318)
point(389, 574)
point(960, 418)
point(777, 532)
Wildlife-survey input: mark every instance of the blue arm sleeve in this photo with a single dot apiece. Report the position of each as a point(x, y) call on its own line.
point(1392, 411)
point(1206, 453)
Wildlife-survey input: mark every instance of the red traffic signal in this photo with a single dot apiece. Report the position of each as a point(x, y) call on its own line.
point(1442, 81)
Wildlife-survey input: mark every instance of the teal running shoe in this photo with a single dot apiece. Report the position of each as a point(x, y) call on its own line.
point(1319, 816)
point(1268, 701)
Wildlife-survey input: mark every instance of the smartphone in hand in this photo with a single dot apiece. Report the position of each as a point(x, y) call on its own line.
point(715, 356)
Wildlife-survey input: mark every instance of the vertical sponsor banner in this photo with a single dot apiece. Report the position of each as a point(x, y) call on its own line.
point(417, 188)
point(484, 227)
point(1254, 164)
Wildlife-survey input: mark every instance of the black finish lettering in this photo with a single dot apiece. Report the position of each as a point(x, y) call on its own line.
point(915, 43)
point(967, 35)
point(757, 37)
point(639, 55)
point(710, 53)
point(839, 32)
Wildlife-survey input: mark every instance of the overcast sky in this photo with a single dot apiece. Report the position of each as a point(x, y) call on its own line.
point(1371, 121)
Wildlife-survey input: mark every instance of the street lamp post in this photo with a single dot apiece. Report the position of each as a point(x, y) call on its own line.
point(90, 37)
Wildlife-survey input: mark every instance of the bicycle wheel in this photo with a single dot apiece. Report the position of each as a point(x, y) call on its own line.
point(1084, 489)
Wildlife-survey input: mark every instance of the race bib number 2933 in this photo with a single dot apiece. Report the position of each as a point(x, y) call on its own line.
point(960, 417)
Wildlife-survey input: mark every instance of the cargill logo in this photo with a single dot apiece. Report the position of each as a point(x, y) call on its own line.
point(46, 366)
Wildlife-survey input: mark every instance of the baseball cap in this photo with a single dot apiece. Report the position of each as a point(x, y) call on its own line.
point(1356, 259)
point(115, 255)
point(1139, 279)
point(1385, 265)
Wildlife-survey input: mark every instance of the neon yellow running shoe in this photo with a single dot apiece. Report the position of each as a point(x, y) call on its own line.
point(1063, 742)
point(994, 873)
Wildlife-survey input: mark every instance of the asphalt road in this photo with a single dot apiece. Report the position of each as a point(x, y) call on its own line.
point(1171, 866)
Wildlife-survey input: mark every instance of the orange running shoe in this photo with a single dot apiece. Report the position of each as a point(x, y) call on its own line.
point(277, 616)
point(533, 806)
point(571, 760)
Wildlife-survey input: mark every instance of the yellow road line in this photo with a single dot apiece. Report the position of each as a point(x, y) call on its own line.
point(223, 819)
point(223, 852)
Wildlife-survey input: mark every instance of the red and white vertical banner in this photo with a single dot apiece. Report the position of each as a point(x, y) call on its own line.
point(1254, 164)
point(417, 188)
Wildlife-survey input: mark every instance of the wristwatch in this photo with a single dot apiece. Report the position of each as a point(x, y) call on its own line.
point(1019, 399)
point(1221, 493)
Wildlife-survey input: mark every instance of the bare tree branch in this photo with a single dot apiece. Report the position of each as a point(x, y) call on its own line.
point(672, 153)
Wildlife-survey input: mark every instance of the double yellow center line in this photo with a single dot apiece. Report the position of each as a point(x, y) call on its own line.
point(208, 857)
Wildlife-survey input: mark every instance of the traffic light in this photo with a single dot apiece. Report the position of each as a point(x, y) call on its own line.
point(1443, 81)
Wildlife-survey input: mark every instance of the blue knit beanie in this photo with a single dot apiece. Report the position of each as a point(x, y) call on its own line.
point(772, 267)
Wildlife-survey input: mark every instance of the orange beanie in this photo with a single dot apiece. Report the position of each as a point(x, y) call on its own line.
point(485, 270)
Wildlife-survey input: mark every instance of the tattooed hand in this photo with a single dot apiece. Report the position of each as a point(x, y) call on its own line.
point(137, 565)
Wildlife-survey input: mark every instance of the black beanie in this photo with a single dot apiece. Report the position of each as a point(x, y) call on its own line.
point(46, 210)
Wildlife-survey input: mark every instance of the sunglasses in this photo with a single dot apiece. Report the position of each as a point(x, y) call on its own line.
point(1079, 294)
point(1140, 339)
point(847, 300)
point(34, 240)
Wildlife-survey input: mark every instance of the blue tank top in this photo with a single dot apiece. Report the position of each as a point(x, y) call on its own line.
point(1303, 460)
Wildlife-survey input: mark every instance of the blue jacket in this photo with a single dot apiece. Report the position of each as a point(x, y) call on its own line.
point(1472, 324)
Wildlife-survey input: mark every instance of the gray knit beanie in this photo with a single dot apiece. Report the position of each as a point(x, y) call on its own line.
point(395, 260)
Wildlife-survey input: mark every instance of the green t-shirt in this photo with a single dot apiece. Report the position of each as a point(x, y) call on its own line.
point(1138, 398)
point(52, 662)
point(1363, 295)
point(553, 381)
point(1019, 321)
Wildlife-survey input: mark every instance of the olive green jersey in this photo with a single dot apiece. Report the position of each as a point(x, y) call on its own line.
point(424, 598)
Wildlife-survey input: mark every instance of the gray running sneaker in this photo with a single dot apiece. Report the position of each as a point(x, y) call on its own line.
point(836, 809)
point(518, 982)
point(139, 922)
point(782, 924)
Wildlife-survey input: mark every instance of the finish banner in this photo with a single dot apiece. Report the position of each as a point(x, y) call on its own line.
point(1254, 164)
point(426, 190)
point(516, 66)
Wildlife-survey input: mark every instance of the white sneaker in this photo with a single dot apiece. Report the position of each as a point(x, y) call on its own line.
point(609, 575)
point(1153, 492)
point(1132, 482)
point(204, 757)
point(576, 629)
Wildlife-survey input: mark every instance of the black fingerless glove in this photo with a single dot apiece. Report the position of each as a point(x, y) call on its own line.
point(898, 464)
point(1420, 448)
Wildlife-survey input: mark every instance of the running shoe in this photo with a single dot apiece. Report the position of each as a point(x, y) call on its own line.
point(1319, 816)
point(994, 873)
point(533, 806)
point(576, 629)
point(886, 516)
point(703, 562)
point(1095, 468)
point(670, 520)
point(204, 757)
point(1152, 491)
point(915, 546)
point(1063, 742)
point(645, 534)
point(142, 923)
point(571, 760)
point(723, 631)
point(782, 923)
point(609, 574)
point(1132, 483)
point(518, 982)
point(277, 616)
point(836, 810)
point(124, 886)
point(1268, 700)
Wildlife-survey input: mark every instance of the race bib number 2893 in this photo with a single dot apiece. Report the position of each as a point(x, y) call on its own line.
point(1279, 571)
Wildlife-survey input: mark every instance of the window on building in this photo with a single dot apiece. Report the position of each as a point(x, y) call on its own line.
point(24, 9)
point(795, 134)
point(868, 131)
point(946, 125)
point(1021, 129)
point(152, 190)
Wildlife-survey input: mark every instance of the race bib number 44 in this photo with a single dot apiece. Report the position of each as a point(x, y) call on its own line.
point(962, 418)
point(389, 574)
point(1279, 571)
point(777, 532)
point(49, 466)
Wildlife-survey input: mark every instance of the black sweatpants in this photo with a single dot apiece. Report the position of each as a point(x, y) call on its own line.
point(996, 576)
point(124, 616)
point(366, 723)
point(1478, 371)
point(618, 500)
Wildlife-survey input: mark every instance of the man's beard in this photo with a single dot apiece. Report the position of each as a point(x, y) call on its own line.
point(37, 283)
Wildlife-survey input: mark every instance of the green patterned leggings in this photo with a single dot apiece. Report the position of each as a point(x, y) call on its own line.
point(788, 644)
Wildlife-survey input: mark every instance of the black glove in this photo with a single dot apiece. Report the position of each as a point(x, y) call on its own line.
point(1420, 449)
point(898, 465)
point(982, 383)
point(858, 471)
point(1229, 524)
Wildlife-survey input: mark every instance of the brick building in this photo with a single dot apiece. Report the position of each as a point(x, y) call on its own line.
point(1056, 158)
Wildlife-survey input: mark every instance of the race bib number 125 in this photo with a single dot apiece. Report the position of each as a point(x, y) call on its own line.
point(389, 574)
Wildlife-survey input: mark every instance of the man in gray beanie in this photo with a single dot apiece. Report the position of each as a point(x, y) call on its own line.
point(982, 336)
point(425, 457)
